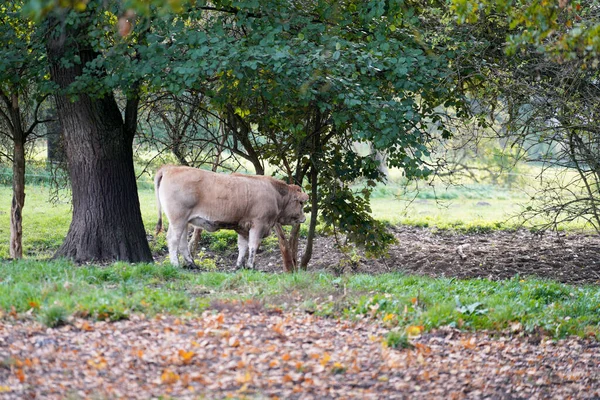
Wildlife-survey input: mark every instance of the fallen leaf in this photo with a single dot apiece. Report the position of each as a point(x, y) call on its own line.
point(168, 377)
point(97, 363)
point(325, 359)
point(186, 356)
point(388, 317)
point(414, 330)
point(85, 326)
point(469, 344)
point(20, 375)
point(279, 329)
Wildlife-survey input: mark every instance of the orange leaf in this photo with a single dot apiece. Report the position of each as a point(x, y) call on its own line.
point(186, 356)
point(286, 357)
point(278, 328)
point(169, 377)
point(234, 342)
point(34, 304)
point(287, 378)
point(220, 318)
point(414, 300)
point(273, 363)
point(86, 327)
point(469, 344)
point(20, 375)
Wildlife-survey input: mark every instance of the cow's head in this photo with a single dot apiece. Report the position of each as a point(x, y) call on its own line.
point(293, 213)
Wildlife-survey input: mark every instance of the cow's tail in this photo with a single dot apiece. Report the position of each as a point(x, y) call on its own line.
point(157, 180)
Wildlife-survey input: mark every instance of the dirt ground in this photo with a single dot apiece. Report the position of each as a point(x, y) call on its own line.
point(565, 257)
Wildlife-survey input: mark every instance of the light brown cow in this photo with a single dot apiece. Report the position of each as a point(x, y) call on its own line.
point(248, 204)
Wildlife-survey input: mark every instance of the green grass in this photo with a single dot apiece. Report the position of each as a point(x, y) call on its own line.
point(53, 291)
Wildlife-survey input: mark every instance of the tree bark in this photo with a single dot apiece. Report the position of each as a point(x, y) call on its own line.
point(18, 200)
point(107, 223)
point(19, 137)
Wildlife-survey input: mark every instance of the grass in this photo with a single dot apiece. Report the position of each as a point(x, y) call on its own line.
point(54, 291)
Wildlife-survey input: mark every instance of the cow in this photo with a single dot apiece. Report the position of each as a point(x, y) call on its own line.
point(248, 204)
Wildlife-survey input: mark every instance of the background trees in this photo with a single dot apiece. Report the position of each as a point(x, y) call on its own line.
point(542, 95)
point(290, 88)
point(22, 93)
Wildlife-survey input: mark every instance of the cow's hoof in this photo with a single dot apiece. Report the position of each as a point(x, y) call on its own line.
point(192, 267)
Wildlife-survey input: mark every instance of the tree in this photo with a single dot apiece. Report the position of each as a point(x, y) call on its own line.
point(306, 82)
point(21, 96)
point(107, 223)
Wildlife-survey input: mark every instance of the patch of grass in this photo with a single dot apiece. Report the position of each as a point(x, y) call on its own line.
point(398, 340)
point(54, 316)
point(53, 291)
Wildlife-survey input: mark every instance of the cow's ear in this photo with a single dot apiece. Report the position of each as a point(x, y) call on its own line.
point(281, 187)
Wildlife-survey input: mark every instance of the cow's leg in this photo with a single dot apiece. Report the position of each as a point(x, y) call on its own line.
point(184, 250)
point(253, 243)
point(174, 234)
point(243, 249)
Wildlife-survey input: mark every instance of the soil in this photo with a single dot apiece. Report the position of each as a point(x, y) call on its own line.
point(565, 257)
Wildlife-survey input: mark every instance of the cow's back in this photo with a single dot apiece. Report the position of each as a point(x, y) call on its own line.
point(222, 198)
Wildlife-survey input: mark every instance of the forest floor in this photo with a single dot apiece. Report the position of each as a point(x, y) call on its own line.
point(246, 352)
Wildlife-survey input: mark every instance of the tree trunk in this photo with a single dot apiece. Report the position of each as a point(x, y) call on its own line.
point(18, 200)
point(288, 247)
point(107, 223)
point(314, 209)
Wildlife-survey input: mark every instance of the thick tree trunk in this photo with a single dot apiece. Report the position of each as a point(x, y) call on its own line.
point(18, 200)
point(107, 223)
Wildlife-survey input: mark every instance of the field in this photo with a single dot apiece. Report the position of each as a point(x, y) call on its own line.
point(462, 284)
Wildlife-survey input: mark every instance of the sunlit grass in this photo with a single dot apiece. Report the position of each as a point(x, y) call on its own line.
point(53, 291)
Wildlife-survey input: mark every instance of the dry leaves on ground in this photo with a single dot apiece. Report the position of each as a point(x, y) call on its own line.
point(250, 353)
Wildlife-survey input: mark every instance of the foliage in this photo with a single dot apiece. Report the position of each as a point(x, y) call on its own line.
point(568, 29)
